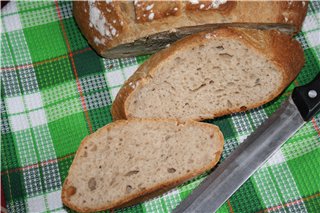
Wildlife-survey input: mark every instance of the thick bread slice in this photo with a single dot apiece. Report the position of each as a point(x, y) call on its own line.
point(126, 28)
point(211, 74)
point(129, 159)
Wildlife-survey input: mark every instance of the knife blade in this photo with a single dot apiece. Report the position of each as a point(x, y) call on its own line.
point(255, 150)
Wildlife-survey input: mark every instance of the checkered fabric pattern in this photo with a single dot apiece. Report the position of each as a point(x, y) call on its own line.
point(55, 90)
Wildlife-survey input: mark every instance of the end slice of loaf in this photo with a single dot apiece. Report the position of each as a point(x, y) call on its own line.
point(130, 159)
point(130, 28)
point(211, 74)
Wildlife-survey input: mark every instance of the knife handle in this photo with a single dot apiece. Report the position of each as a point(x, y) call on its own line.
point(307, 98)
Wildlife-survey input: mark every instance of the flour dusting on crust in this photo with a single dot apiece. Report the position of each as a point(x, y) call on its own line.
point(99, 22)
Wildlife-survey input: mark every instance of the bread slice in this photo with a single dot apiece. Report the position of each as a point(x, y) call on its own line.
point(126, 28)
point(128, 159)
point(211, 74)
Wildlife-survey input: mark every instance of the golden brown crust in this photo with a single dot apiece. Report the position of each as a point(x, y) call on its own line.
point(203, 6)
point(285, 52)
point(114, 25)
point(152, 192)
point(253, 14)
point(147, 11)
point(293, 12)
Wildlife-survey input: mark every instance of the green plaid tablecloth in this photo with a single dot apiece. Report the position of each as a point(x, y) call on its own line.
point(55, 90)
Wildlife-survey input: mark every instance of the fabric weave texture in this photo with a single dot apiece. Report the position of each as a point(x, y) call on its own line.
point(55, 90)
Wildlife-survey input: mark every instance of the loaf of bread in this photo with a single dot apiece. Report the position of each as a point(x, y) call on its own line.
point(131, 160)
point(211, 74)
point(126, 28)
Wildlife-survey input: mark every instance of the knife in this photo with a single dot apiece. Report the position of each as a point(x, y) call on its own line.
point(299, 108)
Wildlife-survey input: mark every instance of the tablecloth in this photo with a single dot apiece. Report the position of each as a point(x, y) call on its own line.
point(55, 90)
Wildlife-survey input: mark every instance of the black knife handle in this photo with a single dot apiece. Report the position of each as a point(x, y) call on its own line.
point(307, 98)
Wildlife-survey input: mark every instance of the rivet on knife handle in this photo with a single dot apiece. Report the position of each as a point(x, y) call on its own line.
point(307, 98)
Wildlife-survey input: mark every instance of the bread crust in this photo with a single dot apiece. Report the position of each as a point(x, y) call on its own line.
point(157, 189)
point(191, 19)
point(282, 50)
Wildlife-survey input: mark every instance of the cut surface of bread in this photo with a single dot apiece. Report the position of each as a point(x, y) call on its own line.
point(211, 74)
point(129, 159)
point(129, 28)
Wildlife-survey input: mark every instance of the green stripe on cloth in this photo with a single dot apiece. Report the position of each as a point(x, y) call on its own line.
point(55, 90)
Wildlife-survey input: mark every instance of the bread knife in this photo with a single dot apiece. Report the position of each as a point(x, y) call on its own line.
point(255, 150)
